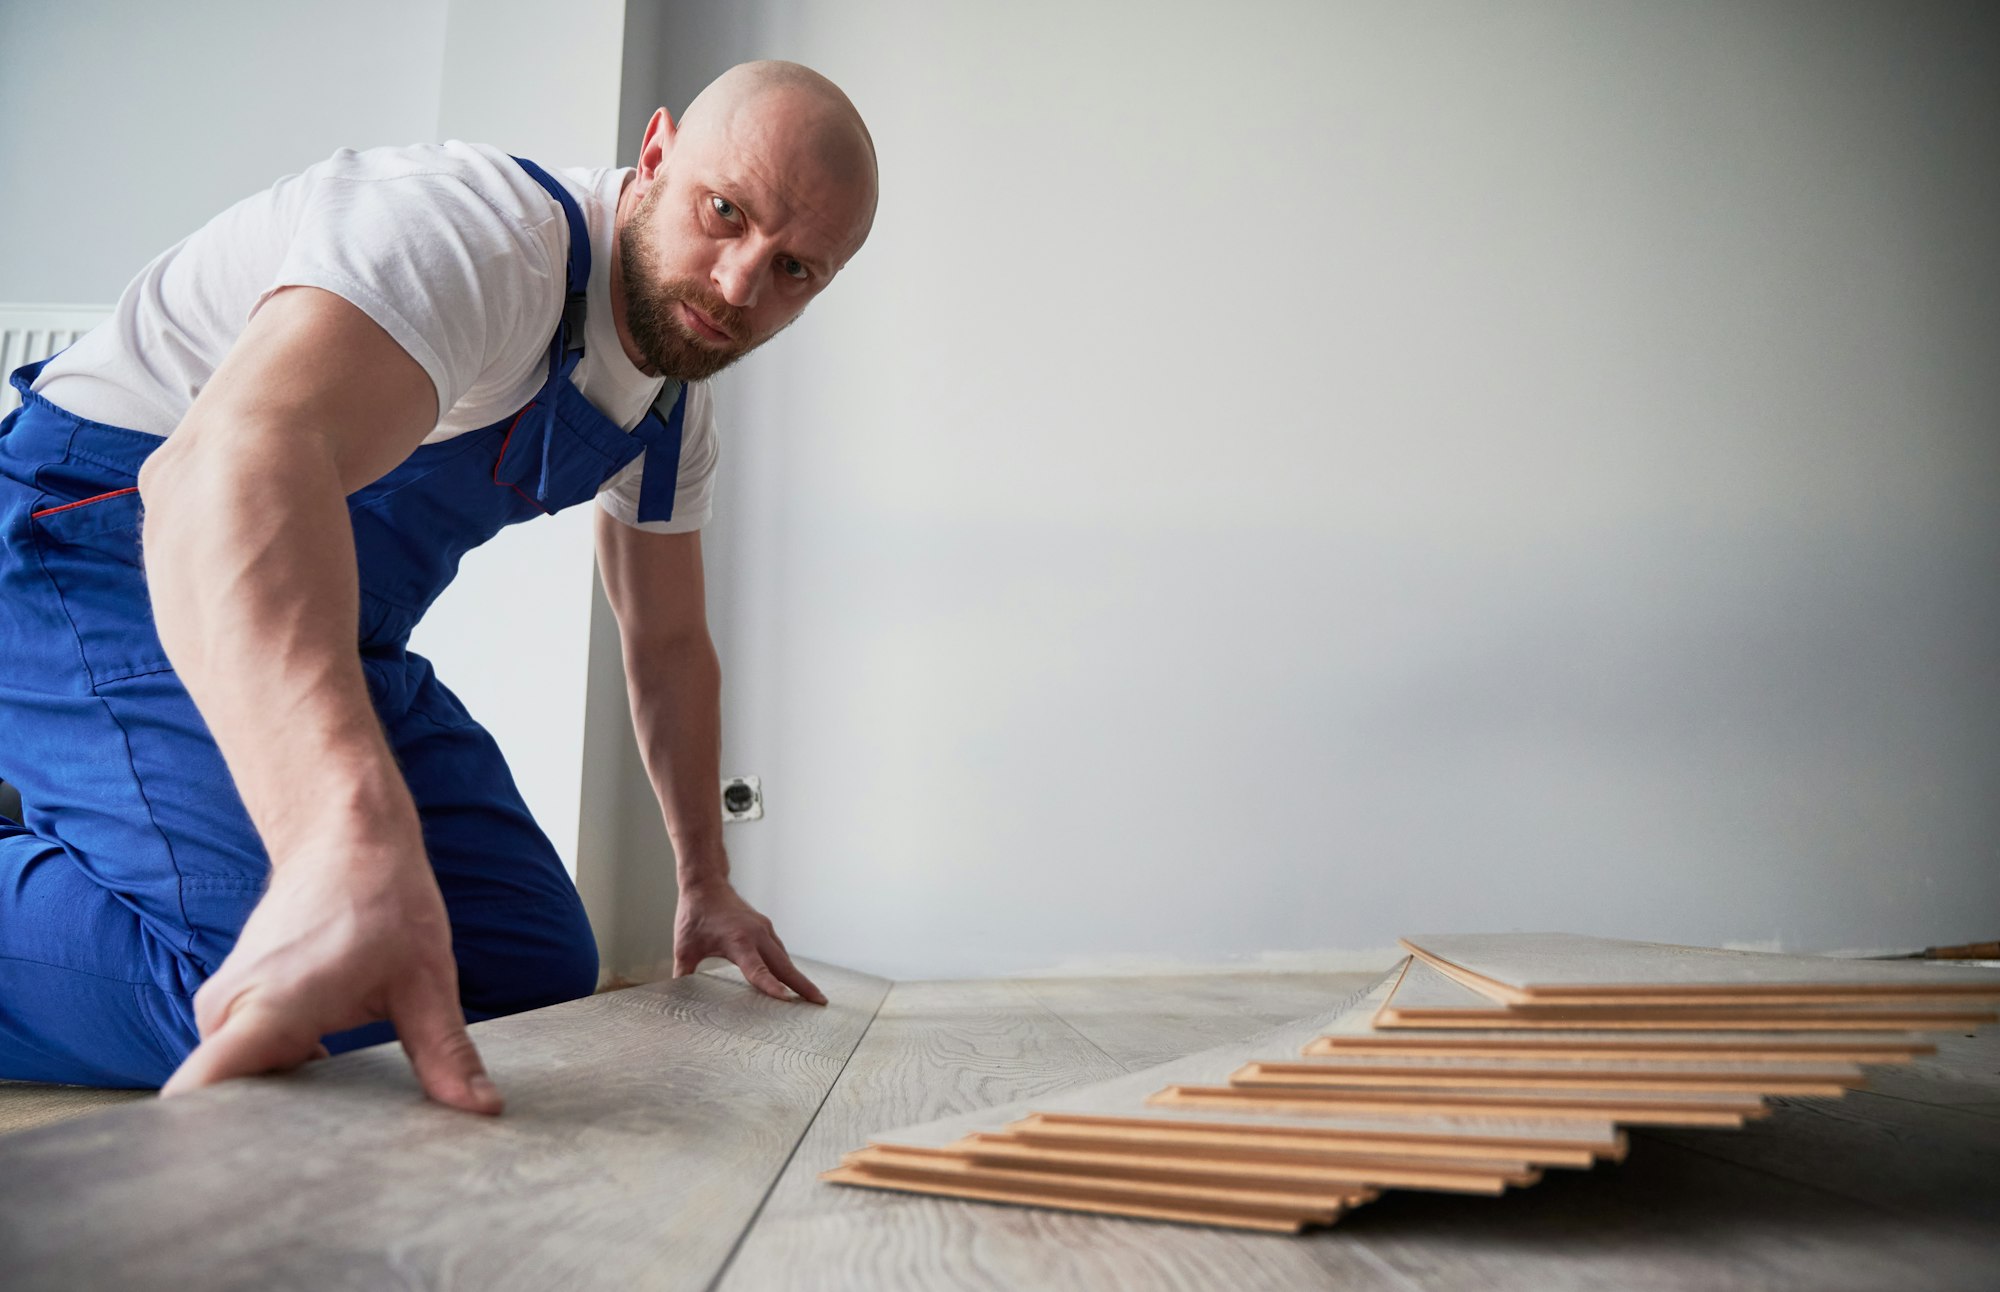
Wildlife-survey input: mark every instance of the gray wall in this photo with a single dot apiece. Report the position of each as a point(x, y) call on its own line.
point(126, 124)
point(1288, 475)
point(1275, 480)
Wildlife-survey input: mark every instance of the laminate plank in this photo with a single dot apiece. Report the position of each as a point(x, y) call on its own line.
point(1685, 1222)
point(1309, 1203)
point(1103, 1202)
point(1677, 1219)
point(1427, 998)
point(1370, 1172)
point(1773, 1079)
point(1640, 1108)
point(1356, 1033)
point(649, 1188)
point(643, 1129)
point(955, 1048)
point(1614, 1067)
point(1162, 1129)
point(1131, 1094)
point(1552, 968)
point(718, 999)
point(1868, 1048)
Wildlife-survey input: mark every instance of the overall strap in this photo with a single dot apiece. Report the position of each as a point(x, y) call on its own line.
point(566, 348)
point(570, 335)
point(661, 429)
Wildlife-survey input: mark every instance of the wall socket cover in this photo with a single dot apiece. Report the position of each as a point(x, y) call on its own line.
point(742, 798)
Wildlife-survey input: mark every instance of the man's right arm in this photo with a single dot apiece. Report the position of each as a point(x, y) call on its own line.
point(251, 567)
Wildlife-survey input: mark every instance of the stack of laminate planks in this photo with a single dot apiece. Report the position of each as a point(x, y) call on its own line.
point(1473, 1066)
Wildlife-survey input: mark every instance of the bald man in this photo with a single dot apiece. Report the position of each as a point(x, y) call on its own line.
point(257, 828)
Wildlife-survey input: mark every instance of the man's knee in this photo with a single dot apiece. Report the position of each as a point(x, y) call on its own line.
point(541, 960)
point(572, 972)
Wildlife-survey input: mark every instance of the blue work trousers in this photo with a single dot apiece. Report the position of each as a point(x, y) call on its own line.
point(136, 866)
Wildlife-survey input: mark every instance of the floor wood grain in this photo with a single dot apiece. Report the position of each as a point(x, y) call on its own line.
point(1934, 1164)
point(1965, 1072)
point(643, 1130)
point(937, 1049)
point(1665, 1218)
point(1142, 1022)
point(672, 1136)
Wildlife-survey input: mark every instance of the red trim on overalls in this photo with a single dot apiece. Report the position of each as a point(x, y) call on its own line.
point(509, 439)
point(82, 502)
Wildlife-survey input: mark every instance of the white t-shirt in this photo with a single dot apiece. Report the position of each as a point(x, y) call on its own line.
point(452, 248)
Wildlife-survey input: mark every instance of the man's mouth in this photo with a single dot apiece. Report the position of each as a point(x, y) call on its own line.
point(703, 326)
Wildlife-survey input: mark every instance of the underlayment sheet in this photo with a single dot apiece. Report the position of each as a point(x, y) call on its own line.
point(1559, 966)
point(1125, 1096)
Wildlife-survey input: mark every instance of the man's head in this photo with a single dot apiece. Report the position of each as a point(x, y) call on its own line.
point(739, 216)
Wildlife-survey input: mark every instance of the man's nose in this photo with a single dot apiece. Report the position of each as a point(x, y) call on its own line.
point(737, 277)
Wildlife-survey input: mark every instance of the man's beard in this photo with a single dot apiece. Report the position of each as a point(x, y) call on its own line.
point(670, 346)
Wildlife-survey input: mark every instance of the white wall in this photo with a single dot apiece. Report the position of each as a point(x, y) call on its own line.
point(625, 861)
point(512, 634)
point(1284, 475)
point(1278, 478)
point(126, 124)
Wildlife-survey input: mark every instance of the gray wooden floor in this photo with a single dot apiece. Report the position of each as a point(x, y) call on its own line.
point(670, 1137)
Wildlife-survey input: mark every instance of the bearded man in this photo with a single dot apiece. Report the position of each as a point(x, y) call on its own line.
point(257, 828)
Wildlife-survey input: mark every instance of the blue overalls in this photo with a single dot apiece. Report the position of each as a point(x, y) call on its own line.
point(136, 866)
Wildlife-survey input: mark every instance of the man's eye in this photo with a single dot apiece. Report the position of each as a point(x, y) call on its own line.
point(724, 208)
point(795, 268)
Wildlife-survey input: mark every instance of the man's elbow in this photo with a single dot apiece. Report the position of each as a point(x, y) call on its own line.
point(159, 473)
point(678, 646)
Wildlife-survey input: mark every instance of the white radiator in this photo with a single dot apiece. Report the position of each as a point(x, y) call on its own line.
point(31, 332)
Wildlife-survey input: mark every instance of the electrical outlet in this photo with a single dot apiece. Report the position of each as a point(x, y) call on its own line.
point(742, 798)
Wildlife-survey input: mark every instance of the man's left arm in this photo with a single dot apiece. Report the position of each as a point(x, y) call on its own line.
point(654, 583)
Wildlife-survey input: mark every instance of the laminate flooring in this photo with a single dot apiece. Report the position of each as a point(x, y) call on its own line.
point(671, 1136)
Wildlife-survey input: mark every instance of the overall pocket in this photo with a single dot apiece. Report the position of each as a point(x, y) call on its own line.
point(90, 551)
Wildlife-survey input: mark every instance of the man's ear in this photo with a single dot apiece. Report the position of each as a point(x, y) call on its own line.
point(658, 142)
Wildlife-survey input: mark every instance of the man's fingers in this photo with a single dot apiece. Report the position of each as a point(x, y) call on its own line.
point(250, 1041)
point(432, 1028)
point(759, 975)
point(781, 965)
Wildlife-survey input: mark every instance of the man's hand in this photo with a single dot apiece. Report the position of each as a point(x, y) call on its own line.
point(251, 566)
point(337, 942)
point(654, 583)
point(712, 920)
